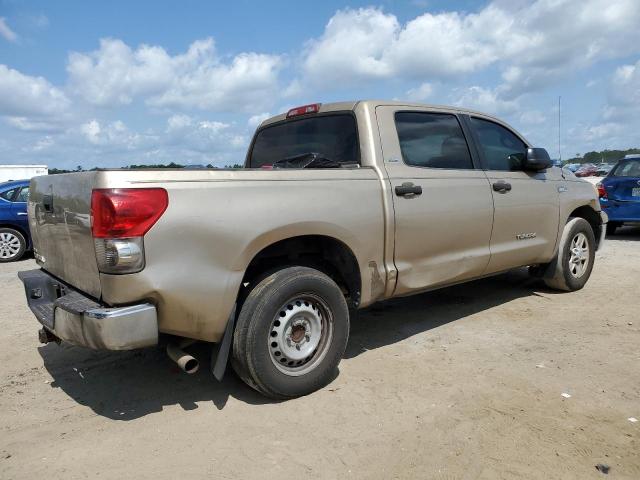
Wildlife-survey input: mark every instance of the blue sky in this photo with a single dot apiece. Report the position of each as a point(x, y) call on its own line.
point(117, 83)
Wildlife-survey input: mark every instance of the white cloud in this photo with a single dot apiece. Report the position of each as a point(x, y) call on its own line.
point(196, 79)
point(203, 136)
point(256, 120)
point(34, 124)
point(420, 93)
point(624, 93)
point(535, 43)
point(532, 117)
point(485, 100)
point(25, 96)
point(6, 32)
point(114, 135)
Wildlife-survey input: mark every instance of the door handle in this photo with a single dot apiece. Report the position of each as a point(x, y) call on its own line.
point(21, 213)
point(408, 190)
point(502, 187)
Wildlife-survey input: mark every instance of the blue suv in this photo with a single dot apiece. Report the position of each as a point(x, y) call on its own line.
point(619, 193)
point(14, 226)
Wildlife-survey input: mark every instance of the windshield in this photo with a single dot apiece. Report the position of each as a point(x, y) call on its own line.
point(333, 137)
point(627, 168)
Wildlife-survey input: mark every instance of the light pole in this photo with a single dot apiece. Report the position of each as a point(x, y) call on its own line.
point(559, 150)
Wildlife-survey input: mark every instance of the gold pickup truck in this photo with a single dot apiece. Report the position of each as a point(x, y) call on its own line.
point(339, 206)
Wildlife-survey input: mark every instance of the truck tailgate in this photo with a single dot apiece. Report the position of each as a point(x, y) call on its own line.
point(60, 223)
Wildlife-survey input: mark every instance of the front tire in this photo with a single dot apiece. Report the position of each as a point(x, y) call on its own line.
point(291, 333)
point(576, 255)
point(12, 245)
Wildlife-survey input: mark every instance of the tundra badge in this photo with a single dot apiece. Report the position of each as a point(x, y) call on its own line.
point(525, 236)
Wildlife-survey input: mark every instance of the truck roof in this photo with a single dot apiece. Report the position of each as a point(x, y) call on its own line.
point(351, 105)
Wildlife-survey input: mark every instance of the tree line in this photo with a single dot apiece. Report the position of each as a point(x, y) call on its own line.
point(606, 156)
point(54, 171)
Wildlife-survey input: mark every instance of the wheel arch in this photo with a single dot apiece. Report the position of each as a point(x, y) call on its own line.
point(326, 253)
point(592, 217)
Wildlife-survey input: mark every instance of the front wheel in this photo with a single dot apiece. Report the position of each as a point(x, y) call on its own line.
point(291, 333)
point(576, 255)
point(12, 245)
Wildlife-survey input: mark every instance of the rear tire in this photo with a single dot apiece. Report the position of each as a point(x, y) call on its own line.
point(12, 245)
point(576, 254)
point(291, 333)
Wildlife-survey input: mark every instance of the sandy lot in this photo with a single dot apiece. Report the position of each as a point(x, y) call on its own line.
point(461, 383)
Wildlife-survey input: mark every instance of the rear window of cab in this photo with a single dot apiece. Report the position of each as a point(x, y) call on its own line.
point(333, 136)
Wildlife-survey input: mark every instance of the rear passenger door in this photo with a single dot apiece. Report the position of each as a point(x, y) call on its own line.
point(525, 224)
point(442, 199)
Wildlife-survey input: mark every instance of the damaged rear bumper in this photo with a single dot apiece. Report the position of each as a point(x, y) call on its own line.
point(72, 316)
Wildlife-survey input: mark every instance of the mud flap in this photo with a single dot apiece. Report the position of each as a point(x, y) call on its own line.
point(220, 365)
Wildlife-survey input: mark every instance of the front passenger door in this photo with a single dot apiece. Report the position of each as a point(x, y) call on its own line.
point(525, 223)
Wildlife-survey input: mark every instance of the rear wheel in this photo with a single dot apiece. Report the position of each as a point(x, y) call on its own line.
point(576, 255)
point(291, 333)
point(12, 245)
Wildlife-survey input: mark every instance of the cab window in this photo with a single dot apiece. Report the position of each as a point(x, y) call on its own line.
point(432, 140)
point(502, 149)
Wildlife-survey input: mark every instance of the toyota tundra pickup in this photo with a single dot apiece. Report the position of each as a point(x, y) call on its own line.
point(339, 206)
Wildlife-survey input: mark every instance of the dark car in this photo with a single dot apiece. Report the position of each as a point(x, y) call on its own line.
point(14, 226)
point(603, 169)
point(620, 193)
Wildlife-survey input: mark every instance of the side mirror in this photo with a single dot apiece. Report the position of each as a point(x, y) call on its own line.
point(537, 159)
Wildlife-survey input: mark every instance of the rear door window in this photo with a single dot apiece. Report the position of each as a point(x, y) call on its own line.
point(432, 140)
point(502, 149)
point(333, 137)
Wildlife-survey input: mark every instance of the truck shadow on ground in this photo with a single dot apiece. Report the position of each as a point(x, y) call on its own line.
point(129, 385)
point(626, 233)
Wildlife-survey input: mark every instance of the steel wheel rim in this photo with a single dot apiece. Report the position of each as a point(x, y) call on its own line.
point(579, 259)
point(300, 334)
point(9, 245)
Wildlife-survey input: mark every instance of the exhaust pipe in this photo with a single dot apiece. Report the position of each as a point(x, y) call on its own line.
point(186, 362)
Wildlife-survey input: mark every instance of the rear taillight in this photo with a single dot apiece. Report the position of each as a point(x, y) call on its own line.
point(602, 193)
point(120, 217)
point(126, 212)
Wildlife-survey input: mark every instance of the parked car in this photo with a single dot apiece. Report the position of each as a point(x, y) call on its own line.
point(14, 226)
point(573, 167)
point(603, 169)
point(620, 193)
point(362, 201)
point(586, 170)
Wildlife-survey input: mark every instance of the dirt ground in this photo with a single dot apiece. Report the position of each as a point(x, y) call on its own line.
point(461, 383)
